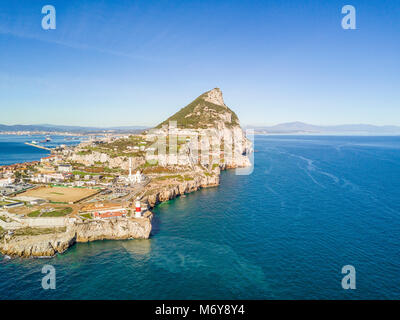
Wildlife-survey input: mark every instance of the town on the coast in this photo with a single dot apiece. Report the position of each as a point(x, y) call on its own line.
point(105, 187)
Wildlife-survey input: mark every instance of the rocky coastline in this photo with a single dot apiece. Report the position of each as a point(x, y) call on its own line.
point(50, 244)
point(172, 192)
point(210, 140)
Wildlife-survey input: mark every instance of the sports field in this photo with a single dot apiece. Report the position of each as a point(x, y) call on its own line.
point(60, 194)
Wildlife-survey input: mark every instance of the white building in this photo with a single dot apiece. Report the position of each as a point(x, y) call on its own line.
point(52, 158)
point(133, 178)
point(65, 168)
point(47, 178)
point(6, 182)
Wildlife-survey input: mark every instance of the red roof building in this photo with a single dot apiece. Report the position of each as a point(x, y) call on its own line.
point(109, 214)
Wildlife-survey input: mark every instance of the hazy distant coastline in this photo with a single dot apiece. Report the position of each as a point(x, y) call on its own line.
point(297, 128)
point(65, 130)
point(300, 128)
point(50, 128)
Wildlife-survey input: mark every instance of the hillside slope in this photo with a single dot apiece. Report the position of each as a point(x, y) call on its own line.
point(206, 111)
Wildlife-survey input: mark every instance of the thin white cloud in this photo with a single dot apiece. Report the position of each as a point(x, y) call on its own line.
point(78, 46)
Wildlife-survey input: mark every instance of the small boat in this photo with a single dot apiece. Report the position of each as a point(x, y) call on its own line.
point(7, 257)
point(34, 142)
point(46, 139)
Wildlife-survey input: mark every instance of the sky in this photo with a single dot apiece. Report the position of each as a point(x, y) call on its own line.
point(125, 62)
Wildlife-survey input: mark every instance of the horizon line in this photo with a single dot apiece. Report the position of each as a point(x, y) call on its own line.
point(242, 125)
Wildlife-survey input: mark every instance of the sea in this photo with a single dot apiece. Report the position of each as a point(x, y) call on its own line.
point(14, 150)
point(312, 205)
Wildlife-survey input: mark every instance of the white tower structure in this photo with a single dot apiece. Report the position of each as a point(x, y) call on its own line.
point(138, 177)
point(130, 169)
point(132, 178)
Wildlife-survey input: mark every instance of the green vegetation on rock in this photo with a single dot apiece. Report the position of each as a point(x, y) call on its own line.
point(37, 231)
point(201, 114)
point(34, 214)
point(86, 216)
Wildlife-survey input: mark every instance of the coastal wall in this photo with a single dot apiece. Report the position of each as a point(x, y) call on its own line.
point(45, 222)
point(9, 225)
point(16, 222)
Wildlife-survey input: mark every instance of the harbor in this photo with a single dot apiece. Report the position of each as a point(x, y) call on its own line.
point(38, 146)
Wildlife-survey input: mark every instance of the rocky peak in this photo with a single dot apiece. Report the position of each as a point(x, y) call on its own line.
point(215, 96)
point(206, 111)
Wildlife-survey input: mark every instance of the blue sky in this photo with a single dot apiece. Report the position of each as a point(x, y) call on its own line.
point(115, 62)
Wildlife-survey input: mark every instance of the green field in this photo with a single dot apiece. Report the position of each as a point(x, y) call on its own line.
point(33, 214)
point(86, 216)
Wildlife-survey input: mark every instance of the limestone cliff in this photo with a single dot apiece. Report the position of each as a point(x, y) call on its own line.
point(158, 195)
point(212, 141)
point(116, 229)
point(46, 245)
point(214, 130)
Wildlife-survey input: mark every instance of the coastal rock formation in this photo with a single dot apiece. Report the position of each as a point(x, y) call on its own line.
point(114, 229)
point(171, 192)
point(214, 132)
point(47, 245)
point(206, 111)
point(204, 138)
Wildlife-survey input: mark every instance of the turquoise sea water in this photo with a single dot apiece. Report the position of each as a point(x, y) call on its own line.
point(311, 206)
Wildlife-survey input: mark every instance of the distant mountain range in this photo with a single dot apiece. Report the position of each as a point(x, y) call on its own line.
point(283, 128)
point(72, 129)
point(304, 128)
